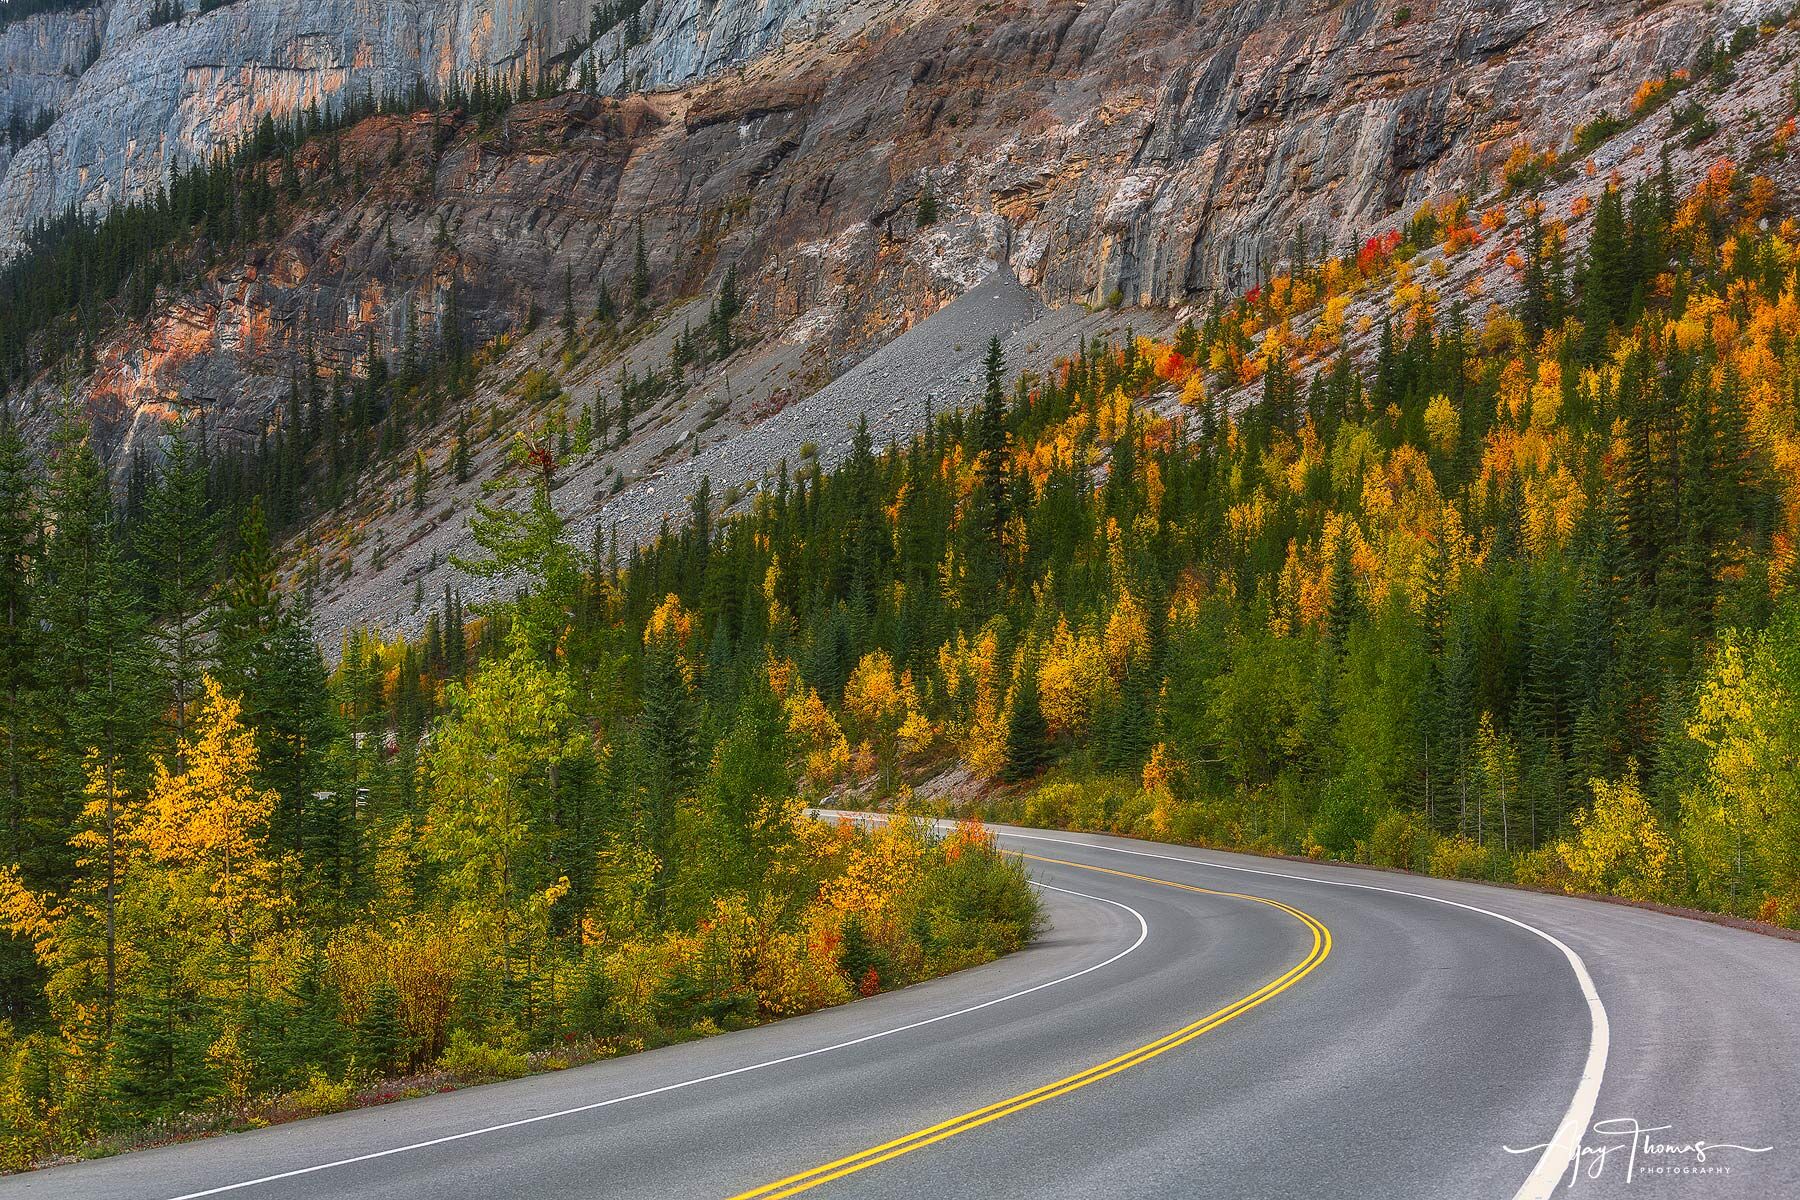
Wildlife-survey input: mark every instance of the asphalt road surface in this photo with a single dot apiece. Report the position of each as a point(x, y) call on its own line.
point(1192, 1024)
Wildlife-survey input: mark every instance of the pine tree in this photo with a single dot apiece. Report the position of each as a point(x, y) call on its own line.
point(18, 552)
point(20, 986)
point(988, 512)
point(1341, 608)
point(252, 603)
point(667, 733)
point(1540, 306)
point(1607, 282)
point(451, 330)
point(927, 211)
point(176, 542)
point(640, 273)
point(1027, 732)
point(624, 418)
point(315, 1037)
point(725, 308)
point(459, 452)
point(267, 656)
point(160, 1060)
point(94, 637)
point(380, 1034)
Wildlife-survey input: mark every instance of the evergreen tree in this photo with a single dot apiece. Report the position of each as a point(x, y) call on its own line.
point(18, 652)
point(725, 308)
point(640, 273)
point(1027, 733)
point(380, 1041)
point(267, 656)
point(176, 543)
point(94, 641)
point(667, 733)
point(20, 986)
point(160, 1061)
point(1607, 282)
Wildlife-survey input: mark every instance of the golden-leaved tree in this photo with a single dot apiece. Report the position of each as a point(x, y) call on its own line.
point(495, 767)
point(1740, 825)
point(175, 897)
point(1620, 847)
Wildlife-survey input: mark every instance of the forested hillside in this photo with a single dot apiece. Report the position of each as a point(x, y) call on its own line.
point(239, 889)
point(1514, 600)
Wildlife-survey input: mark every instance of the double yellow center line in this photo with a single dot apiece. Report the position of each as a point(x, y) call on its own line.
point(1321, 946)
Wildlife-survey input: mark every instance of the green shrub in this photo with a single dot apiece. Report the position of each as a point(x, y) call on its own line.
point(1401, 840)
point(1458, 857)
point(1597, 132)
point(478, 1062)
point(322, 1094)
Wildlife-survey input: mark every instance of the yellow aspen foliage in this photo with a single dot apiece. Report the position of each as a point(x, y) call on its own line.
point(878, 869)
point(984, 747)
point(873, 692)
point(1330, 326)
point(1554, 502)
point(781, 675)
point(669, 621)
point(1127, 635)
point(207, 823)
point(1072, 675)
point(1619, 846)
point(825, 750)
point(778, 615)
point(1443, 424)
point(1193, 390)
point(1546, 394)
point(1159, 783)
point(882, 704)
point(916, 732)
point(1515, 391)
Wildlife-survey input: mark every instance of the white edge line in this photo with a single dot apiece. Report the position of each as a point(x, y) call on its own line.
point(1143, 933)
point(1562, 1148)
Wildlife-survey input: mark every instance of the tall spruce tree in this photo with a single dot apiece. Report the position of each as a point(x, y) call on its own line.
point(96, 717)
point(176, 543)
point(20, 985)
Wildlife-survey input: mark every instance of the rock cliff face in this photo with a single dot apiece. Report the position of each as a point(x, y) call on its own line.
point(1151, 151)
point(157, 97)
point(41, 59)
point(688, 40)
point(1230, 117)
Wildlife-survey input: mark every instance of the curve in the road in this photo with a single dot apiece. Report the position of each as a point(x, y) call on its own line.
point(1321, 947)
point(1562, 1151)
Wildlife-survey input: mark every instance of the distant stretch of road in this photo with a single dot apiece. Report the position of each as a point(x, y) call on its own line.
point(1191, 1024)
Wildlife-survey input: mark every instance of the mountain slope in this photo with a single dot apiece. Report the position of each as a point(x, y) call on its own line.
point(1151, 154)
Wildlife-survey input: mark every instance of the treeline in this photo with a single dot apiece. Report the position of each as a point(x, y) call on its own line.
point(78, 274)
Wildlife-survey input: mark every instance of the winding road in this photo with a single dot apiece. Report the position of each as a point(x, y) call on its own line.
point(1192, 1024)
